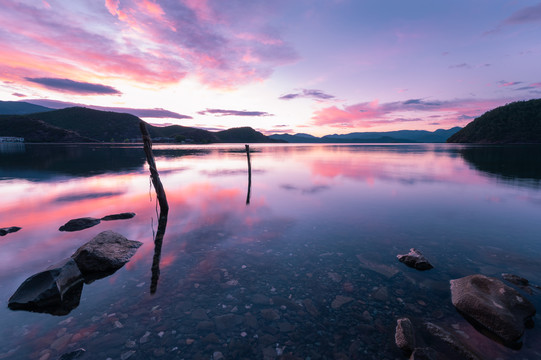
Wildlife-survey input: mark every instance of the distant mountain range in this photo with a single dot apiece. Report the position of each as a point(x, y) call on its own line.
point(79, 124)
point(400, 136)
point(518, 122)
point(514, 123)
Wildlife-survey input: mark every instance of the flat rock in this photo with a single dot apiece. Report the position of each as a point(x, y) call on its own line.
point(79, 224)
point(340, 300)
point(515, 279)
point(415, 260)
point(493, 306)
point(382, 269)
point(227, 321)
point(8, 230)
point(56, 290)
point(104, 254)
point(121, 216)
point(448, 338)
point(424, 354)
point(404, 335)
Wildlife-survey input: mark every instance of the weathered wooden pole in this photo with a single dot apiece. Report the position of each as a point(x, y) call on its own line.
point(164, 207)
point(249, 175)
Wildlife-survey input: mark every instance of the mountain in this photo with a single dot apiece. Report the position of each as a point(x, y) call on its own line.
point(518, 122)
point(78, 124)
point(400, 136)
point(34, 130)
point(243, 134)
point(20, 108)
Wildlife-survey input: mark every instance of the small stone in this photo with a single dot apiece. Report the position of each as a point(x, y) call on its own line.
point(144, 338)
point(79, 224)
point(381, 294)
point(335, 277)
point(60, 343)
point(310, 307)
point(404, 336)
point(270, 314)
point(8, 230)
point(76, 354)
point(415, 260)
point(199, 314)
point(118, 325)
point(127, 355)
point(130, 344)
point(217, 355)
point(189, 341)
point(340, 300)
point(515, 279)
point(121, 216)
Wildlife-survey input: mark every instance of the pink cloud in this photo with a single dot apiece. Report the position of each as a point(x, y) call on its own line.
point(371, 114)
point(149, 42)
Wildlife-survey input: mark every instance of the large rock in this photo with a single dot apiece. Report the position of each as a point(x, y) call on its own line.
point(11, 229)
point(79, 224)
point(415, 260)
point(104, 254)
point(404, 335)
point(56, 290)
point(493, 306)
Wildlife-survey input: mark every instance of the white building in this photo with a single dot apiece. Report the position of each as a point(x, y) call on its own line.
point(11, 139)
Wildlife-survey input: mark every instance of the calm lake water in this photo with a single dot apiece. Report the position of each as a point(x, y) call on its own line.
point(306, 270)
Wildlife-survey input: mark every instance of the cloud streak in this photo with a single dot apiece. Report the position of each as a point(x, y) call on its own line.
point(222, 112)
point(77, 87)
point(307, 93)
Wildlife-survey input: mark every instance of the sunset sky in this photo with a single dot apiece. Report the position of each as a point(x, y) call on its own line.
point(280, 66)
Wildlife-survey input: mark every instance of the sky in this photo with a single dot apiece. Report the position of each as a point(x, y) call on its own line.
point(281, 66)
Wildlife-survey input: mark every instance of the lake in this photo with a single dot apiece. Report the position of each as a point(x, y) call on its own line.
point(300, 265)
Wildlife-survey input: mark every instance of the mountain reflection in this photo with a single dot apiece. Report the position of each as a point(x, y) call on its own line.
point(507, 163)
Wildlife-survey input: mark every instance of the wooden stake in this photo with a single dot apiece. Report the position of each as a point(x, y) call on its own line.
point(164, 207)
point(249, 175)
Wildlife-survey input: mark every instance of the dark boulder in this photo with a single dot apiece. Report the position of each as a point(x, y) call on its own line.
point(104, 254)
point(496, 309)
point(79, 224)
point(404, 336)
point(8, 230)
point(56, 290)
point(415, 260)
point(121, 216)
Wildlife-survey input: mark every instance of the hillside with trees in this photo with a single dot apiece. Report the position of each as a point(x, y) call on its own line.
point(514, 123)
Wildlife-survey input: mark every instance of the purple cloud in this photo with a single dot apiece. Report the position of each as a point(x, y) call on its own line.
point(221, 112)
point(78, 87)
point(150, 113)
point(460, 66)
point(308, 93)
point(526, 15)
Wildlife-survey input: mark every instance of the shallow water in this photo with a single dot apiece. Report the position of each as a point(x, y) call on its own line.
point(306, 270)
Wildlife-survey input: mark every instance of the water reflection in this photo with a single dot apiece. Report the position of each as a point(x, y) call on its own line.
point(512, 163)
point(323, 221)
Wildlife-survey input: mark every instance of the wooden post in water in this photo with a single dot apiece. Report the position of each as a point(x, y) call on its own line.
point(249, 174)
point(164, 207)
